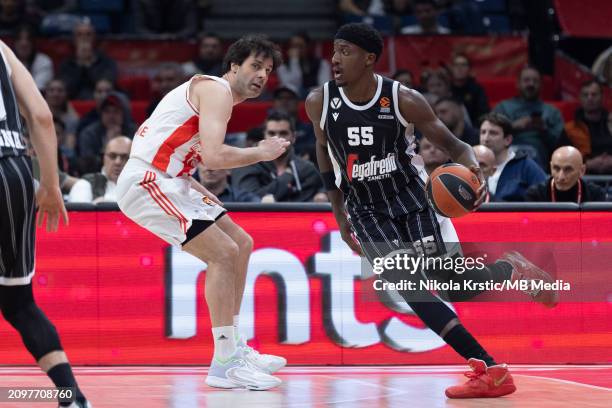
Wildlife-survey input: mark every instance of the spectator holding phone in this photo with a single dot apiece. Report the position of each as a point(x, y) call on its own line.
point(536, 125)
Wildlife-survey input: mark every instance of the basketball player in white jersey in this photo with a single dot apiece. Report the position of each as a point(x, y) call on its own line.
point(156, 191)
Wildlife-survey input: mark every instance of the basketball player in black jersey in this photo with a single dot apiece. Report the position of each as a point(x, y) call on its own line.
point(364, 125)
point(19, 95)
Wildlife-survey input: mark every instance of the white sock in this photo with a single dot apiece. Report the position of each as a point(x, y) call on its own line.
point(236, 330)
point(225, 342)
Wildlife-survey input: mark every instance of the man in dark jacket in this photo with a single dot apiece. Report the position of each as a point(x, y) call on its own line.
point(515, 172)
point(216, 181)
point(467, 90)
point(288, 178)
point(88, 65)
point(566, 184)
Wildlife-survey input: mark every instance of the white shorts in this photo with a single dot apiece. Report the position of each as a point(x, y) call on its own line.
point(162, 204)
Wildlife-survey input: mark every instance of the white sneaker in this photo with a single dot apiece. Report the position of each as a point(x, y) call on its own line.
point(267, 363)
point(237, 372)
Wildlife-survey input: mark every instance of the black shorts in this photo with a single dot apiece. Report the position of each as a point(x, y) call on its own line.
point(17, 221)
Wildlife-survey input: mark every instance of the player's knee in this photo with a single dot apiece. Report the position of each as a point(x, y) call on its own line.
point(227, 254)
point(246, 243)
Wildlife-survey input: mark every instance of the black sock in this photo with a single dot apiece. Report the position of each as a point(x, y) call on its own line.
point(466, 345)
point(62, 376)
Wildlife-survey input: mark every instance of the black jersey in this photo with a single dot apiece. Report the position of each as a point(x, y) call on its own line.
point(372, 147)
point(11, 141)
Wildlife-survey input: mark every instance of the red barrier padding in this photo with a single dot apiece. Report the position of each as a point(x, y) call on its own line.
point(501, 88)
point(137, 87)
point(107, 286)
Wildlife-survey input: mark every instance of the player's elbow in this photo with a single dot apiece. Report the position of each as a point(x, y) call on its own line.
point(40, 116)
point(211, 160)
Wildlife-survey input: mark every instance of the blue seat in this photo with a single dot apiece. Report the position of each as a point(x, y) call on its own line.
point(491, 6)
point(495, 23)
point(101, 6)
point(101, 22)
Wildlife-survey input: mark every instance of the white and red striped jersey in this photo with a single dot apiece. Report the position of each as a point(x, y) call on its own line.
point(169, 139)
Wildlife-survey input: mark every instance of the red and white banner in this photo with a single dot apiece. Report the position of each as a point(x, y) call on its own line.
point(119, 295)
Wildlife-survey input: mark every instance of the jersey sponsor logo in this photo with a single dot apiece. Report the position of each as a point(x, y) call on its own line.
point(335, 115)
point(371, 170)
point(386, 117)
point(335, 103)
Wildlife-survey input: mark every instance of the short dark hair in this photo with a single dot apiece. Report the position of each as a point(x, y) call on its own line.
point(590, 82)
point(500, 120)
point(362, 35)
point(279, 116)
point(426, 2)
point(402, 71)
point(256, 45)
point(208, 34)
point(529, 66)
point(450, 99)
point(462, 55)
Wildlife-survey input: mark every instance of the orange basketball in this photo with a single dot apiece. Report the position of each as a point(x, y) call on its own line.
point(452, 190)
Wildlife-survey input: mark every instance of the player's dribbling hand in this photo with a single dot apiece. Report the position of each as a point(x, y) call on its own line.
point(482, 190)
point(272, 147)
point(50, 204)
point(347, 236)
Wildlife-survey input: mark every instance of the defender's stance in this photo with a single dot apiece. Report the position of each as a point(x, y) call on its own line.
point(156, 190)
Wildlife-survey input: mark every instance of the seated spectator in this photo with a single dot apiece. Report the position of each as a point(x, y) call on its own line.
point(57, 99)
point(426, 14)
point(39, 64)
point(515, 172)
point(14, 13)
point(287, 100)
point(302, 70)
point(536, 125)
point(216, 181)
point(115, 120)
point(451, 114)
point(254, 136)
point(433, 157)
point(437, 86)
point(177, 18)
point(102, 89)
point(486, 162)
point(102, 185)
point(566, 184)
point(589, 132)
point(169, 75)
point(602, 67)
point(81, 71)
point(465, 88)
point(209, 60)
point(404, 77)
point(362, 7)
point(287, 178)
point(66, 153)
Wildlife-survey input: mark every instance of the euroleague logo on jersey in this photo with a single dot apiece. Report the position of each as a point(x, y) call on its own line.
point(385, 105)
point(372, 170)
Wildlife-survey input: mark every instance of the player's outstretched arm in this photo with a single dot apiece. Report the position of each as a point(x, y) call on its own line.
point(215, 103)
point(314, 108)
point(415, 109)
point(42, 135)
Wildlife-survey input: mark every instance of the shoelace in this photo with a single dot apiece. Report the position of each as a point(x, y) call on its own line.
point(473, 376)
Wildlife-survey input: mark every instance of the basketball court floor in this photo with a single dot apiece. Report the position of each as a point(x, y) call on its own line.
point(575, 386)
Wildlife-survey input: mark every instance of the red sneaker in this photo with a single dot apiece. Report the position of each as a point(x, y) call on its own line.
point(484, 382)
point(522, 269)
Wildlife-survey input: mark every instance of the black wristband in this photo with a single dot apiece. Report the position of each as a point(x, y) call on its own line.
point(329, 180)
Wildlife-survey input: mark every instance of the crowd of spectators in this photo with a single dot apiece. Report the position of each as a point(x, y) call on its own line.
point(518, 141)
